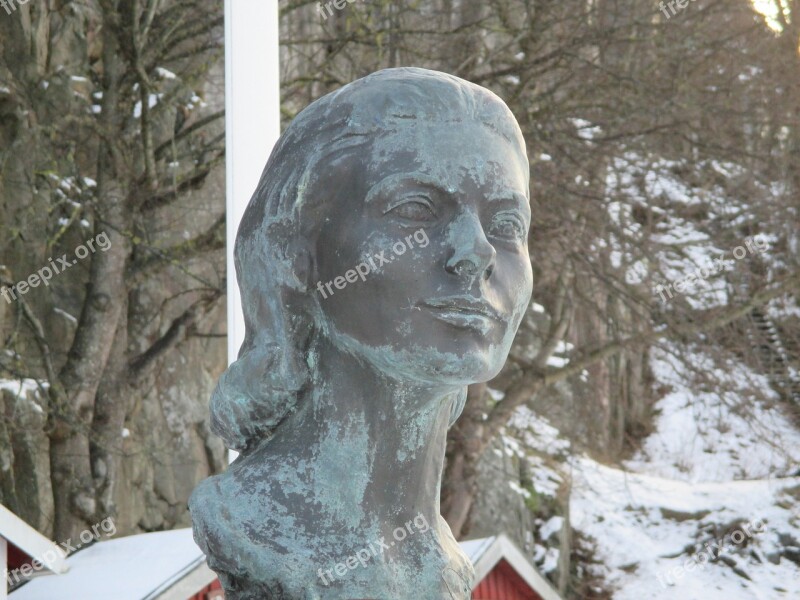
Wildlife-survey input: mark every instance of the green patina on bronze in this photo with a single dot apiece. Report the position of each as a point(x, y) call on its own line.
point(339, 405)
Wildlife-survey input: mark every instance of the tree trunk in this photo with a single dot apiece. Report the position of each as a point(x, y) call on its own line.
point(70, 456)
point(465, 445)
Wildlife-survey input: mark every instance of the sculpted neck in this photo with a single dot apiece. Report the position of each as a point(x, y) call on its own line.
point(372, 447)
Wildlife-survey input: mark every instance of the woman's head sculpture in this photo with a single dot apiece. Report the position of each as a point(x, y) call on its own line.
point(383, 266)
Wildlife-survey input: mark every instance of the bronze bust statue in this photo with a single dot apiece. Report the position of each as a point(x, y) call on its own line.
point(383, 263)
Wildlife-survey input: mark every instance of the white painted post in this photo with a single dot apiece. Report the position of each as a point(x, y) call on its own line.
point(252, 123)
point(4, 563)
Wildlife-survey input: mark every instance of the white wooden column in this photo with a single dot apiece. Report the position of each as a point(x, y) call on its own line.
point(4, 563)
point(252, 123)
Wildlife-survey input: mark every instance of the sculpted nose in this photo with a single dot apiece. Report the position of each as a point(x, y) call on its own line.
point(471, 254)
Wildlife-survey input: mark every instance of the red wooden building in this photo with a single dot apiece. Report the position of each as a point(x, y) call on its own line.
point(502, 572)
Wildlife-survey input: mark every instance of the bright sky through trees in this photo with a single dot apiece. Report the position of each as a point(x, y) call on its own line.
point(769, 8)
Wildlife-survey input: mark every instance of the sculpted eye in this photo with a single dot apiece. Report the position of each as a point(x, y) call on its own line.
point(508, 226)
point(413, 208)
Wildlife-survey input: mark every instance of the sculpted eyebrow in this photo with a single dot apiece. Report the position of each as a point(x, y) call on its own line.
point(419, 179)
point(520, 198)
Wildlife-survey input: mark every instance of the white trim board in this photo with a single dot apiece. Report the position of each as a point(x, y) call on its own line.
point(31, 542)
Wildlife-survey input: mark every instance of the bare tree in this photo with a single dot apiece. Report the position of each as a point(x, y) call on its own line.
point(605, 91)
point(107, 133)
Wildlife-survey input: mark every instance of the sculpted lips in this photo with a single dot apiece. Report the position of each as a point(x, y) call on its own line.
point(466, 312)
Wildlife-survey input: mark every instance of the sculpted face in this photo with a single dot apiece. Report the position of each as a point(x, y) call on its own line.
point(438, 215)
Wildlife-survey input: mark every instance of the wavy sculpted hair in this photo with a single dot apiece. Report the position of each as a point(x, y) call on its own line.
point(273, 370)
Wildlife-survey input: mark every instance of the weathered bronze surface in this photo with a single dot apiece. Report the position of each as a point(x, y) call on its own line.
point(383, 263)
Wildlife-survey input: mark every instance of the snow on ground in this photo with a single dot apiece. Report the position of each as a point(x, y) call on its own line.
point(655, 536)
point(710, 483)
point(716, 435)
point(682, 250)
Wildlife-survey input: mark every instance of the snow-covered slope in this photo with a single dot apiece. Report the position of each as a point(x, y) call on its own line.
point(707, 510)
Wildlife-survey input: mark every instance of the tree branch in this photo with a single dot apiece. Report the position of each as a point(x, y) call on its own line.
point(178, 331)
point(534, 378)
point(208, 241)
